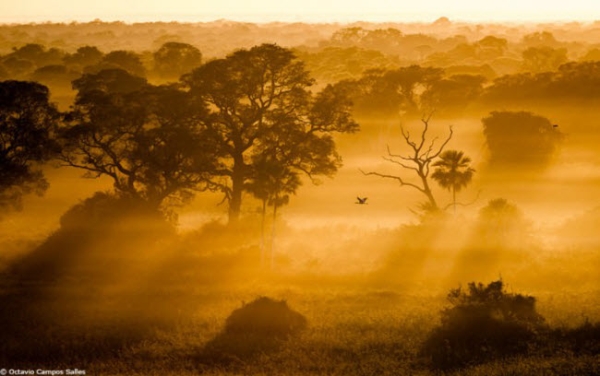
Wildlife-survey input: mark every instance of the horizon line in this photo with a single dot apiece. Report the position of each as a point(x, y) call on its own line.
point(288, 19)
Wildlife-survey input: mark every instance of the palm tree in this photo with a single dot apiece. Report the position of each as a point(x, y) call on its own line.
point(453, 172)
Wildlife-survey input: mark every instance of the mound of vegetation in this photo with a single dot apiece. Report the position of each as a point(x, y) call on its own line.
point(257, 327)
point(580, 340)
point(484, 323)
point(94, 235)
point(265, 317)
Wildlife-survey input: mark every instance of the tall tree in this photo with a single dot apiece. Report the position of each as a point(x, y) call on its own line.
point(520, 140)
point(149, 140)
point(27, 124)
point(453, 172)
point(272, 183)
point(258, 97)
point(173, 59)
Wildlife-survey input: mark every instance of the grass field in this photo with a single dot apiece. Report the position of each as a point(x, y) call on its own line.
point(352, 330)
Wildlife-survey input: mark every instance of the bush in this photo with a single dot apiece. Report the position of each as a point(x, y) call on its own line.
point(95, 235)
point(265, 317)
point(257, 327)
point(581, 340)
point(483, 324)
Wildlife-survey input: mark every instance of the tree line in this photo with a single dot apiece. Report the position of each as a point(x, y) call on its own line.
point(244, 123)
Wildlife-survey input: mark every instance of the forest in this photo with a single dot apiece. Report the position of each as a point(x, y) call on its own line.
point(229, 198)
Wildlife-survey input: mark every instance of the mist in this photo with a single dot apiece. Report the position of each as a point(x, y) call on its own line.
point(300, 198)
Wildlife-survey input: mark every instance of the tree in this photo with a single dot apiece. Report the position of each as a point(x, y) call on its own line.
point(84, 56)
point(520, 140)
point(120, 59)
point(501, 224)
point(419, 160)
point(27, 124)
point(453, 93)
point(173, 59)
point(543, 59)
point(412, 81)
point(491, 47)
point(390, 92)
point(540, 39)
point(149, 140)
point(272, 183)
point(54, 75)
point(37, 54)
point(259, 100)
point(109, 81)
point(452, 172)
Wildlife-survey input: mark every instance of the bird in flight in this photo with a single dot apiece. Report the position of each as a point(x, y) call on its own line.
point(554, 125)
point(361, 200)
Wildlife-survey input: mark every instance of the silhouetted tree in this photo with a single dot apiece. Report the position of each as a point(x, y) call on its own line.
point(260, 97)
point(127, 60)
point(418, 160)
point(452, 171)
point(27, 125)
point(453, 93)
point(540, 39)
point(54, 75)
point(543, 59)
point(501, 224)
point(491, 47)
point(520, 139)
point(149, 140)
point(84, 56)
point(114, 81)
point(392, 92)
point(173, 59)
point(37, 54)
point(272, 182)
point(409, 81)
point(18, 68)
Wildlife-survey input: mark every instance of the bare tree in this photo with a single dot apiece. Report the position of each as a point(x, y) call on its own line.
point(418, 160)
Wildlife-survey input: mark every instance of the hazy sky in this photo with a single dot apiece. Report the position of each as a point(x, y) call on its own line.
point(297, 10)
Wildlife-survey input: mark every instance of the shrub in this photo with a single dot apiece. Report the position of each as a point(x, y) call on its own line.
point(581, 340)
point(94, 236)
point(257, 327)
point(265, 317)
point(484, 323)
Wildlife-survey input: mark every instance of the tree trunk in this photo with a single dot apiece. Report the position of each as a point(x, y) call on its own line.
point(273, 226)
point(237, 188)
point(263, 253)
point(454, 199)
point(427, 191)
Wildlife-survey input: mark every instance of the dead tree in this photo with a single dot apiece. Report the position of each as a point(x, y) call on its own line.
point(418, 160)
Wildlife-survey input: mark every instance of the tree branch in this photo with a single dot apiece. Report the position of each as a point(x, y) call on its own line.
point(401, 164)
point(397, 178)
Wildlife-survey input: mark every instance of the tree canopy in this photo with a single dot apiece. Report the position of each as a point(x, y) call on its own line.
point(149, 140)
point(520, 140)
point(259, 104)
point(453, 172)
point(173, 59)
point(27, 123)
